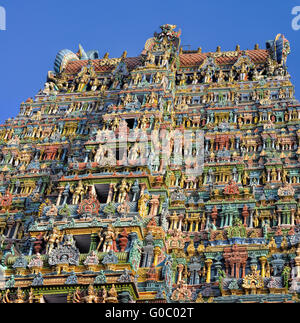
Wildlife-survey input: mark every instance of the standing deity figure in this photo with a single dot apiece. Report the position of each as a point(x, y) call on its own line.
point(66, 193)
point(221, 77)
point(284, 176)
point(231, 76)
point(165, 60)
point(208, 76)
point(270, 67)
point(116, 122)
point(123, 189)
point(157, 78)
point(143, 123)
point(142, 205)
point(108, 238)
point(99, 154)
point(53, 239)
point(182, 79)
point(195, 78)
point(244, 72)
point(82, 80)
point(137, 79)
point(152, 98)
point(245, 178)
point(78, 193)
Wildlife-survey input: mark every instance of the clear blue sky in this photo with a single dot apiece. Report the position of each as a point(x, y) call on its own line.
point(37, 30)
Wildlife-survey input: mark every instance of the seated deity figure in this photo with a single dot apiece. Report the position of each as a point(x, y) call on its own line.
point(90, 298)
point(95, 83)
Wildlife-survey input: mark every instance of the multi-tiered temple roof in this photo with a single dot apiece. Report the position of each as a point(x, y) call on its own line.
point(173, 176)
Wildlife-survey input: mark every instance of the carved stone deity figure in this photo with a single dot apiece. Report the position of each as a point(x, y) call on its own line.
point(150, 59)
point(123, 189)
point(99, 154)
point(108, 238)
point(53, 239)
point(142, 205)
point(95, 83)
point(165, 59)
point(112, 295)
point(90, 298)
point(243, 73)
point(82, 80)
point(116, 122)
point(78, 193)
point(20, 297)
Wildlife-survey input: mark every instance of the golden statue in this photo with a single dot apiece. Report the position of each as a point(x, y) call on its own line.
point(20, 299)
point(245, 178)
point(90, 298)
point(274, 175)
point(112, 295)
point(255, 219)
point(142, 205)
point(82, 79)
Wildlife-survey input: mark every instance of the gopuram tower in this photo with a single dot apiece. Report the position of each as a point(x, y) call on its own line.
point(169, 177)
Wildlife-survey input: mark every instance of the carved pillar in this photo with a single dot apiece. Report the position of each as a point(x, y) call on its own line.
point(293, 217)
point(180, 217)
point(263, 261)
point(297, 262)
point(208, 263)
point(237, 270)
point(232, 269)
point(60, 189)
point(171, 223)
point(154, 203)
point(157, 252)
point(16, 230)
point(175, 222)
point(197, 226)
point(191, 225)
point(180, 268)
point(243, 269)
point(279, 217)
